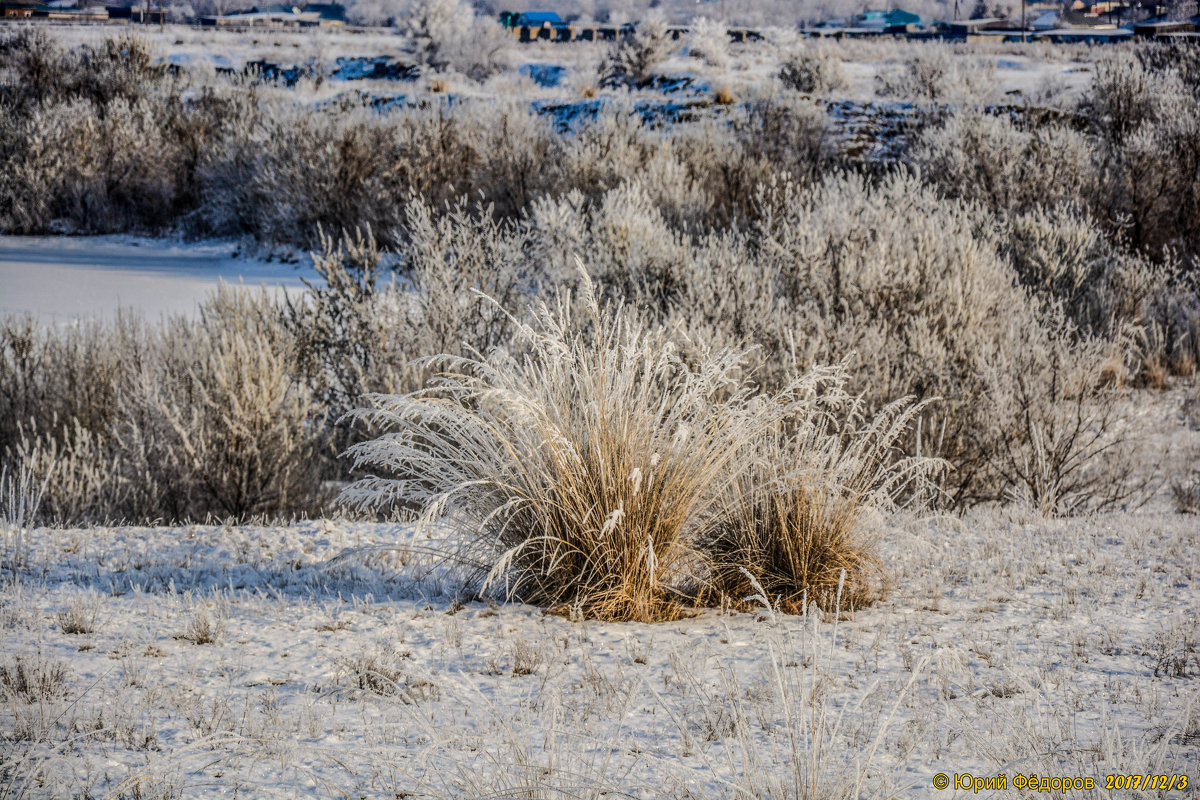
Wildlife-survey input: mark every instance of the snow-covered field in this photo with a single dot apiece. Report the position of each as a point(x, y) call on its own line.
point(64, 277)
point(303, 660)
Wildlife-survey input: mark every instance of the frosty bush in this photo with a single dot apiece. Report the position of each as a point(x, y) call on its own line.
point(1125, 94)
point(461, 266)
point(930, 76)
point(77, 470)
point(985, 157)
point(708, 40)
point(896, 273)
point(447, 35)
point(228, 413)
point(286, 173)
point(812, 70)
point(342, 348)
point(103, 187)
point(180, 421)
point(632, 252)
point(1062, 444)
point(633, 58)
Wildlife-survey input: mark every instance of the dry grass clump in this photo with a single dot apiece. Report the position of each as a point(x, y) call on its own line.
point(203, 626)
point(596, 470)
point(792, 525)
point(33, 679)
point(723, 95)
point(380, 670)
point(579, 467)
point(81, 614)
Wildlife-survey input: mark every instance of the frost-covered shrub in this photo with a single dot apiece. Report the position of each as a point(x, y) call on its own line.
point(289, 172)
point(121, 67)
point(1151, 189)
point(985, 157)
point(633, 59)
point(1062, 443)
point(60, 387)
point(929, 75)
point(1063, 257)
point(812, 70)
point(102, 140)
point(447, 35)
point(628, 247)
point(633, 253)
point(1147, 125)
point(219, 420)
point(607, 150)
point(104, 184)
point(913, 284)
point(520, 157)
point(343, 351)
point(1124, 95)
point(443, 35)
point(459, 266)
point(77, 469)
point(124, 421)
point(787, 137)
point(1170, 319)
point(708, 40)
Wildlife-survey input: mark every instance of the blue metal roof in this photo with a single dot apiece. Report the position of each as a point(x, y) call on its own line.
point(537, 18)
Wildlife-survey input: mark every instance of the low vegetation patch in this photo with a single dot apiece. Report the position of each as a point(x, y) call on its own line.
point(34, 678)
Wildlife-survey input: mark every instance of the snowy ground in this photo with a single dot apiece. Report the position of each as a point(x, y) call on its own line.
point(59, 278)
point(209, 661)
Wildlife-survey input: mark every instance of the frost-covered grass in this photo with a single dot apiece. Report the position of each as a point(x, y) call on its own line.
point(1009, 644)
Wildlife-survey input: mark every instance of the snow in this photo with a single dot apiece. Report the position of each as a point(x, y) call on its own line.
point(1026, 646)
point(65, 277)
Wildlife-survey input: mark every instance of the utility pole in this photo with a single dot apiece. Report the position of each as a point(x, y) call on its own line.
point(1023, 34)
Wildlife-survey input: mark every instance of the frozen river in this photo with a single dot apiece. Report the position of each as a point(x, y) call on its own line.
point(63, 277)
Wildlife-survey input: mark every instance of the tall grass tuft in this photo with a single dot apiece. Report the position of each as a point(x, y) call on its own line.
point(793, 525)
point(580, 469)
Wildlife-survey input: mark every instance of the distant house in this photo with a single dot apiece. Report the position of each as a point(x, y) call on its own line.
point(1163, 27)
point(155, 15)
point(539, 19)
point(60, 11)
point(894, 21)
point(974, 27)
point(17, 10)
